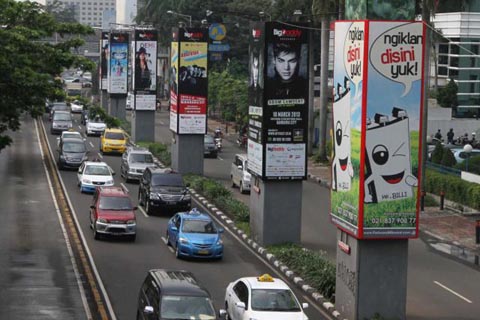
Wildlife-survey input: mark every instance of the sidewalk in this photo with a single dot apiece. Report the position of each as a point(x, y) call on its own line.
point(445, 226)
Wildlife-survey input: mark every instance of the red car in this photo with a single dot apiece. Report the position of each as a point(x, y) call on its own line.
point(112, 213)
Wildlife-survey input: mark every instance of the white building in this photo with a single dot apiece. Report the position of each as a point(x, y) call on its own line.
point(126, 11)
point(89, 12)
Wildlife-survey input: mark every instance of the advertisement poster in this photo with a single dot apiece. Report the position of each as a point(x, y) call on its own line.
point(192, 81)
point(392, 139)
point(255, 157)
point(145, 102)
point(145, 61)
point(174, 87)
point(104, 57)
point(118, 69)
point(346, 127)
point(285, 94)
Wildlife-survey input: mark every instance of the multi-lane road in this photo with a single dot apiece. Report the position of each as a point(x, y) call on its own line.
point(37, 260)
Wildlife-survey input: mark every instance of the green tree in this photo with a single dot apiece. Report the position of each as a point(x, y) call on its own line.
point(29, 64)
point(437, 153)
point(61, 11)
point(447, 96)
point(448, 159)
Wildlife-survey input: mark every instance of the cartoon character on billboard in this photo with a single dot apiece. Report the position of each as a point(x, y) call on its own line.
point(388, 163)
point(342, 169)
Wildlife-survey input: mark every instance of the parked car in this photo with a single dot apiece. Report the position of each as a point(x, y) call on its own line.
point(76, 106)
point(239, 174)
point(163, 190)
point(69, 134)
point(263, 297)
point(112, 213)
point(460, 155)
point(194, 234)
point(210, 147)
point(61, 121)
point(113, 141)
point(71, 153)
point(134, 162)
point(92, 174)
point(95, 126)
point(173, 294)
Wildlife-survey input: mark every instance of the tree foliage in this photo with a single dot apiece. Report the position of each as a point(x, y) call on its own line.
point(29, 64)
point(437, 153)
point(448, 159)
point(447, 96)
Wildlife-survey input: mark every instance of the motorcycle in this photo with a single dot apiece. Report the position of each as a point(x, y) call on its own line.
point(218, 143)
point(242, 141)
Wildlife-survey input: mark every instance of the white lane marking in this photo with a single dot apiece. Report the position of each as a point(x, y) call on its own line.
point(143, 211)
point(171, 249)
point(80, 127)
point(91, 144)
point(161, 122)
point(164, 240)
point(451, 291)
point(219, 158)
point(100, 155)
point(124, 187)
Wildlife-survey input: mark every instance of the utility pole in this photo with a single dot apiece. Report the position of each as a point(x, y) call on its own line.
point(325, 43)
point(426, 82)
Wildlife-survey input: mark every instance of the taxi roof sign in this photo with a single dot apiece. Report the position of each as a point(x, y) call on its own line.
point(265, 278)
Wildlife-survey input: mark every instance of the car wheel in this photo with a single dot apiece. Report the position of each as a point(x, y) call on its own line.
point(227, 316)
point(133, 238)
point(96, 236)
point(147, 206)
point(241, 188)
point(140, 202)
point(177, 252)
point(168, 240)
point(233, 183)
point(60, 165)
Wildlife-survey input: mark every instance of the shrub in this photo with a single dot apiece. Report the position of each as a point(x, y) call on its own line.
point(159, 150)
point(448, 159)
point(437, 153)
point(473, 165)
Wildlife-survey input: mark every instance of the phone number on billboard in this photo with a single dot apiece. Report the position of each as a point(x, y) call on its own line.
point(393, 221)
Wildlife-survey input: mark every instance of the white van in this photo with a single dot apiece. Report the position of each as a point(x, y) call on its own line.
point(239, 174)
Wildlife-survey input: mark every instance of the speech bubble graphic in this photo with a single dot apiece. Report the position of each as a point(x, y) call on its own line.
point(397, 54)
point(353, 54)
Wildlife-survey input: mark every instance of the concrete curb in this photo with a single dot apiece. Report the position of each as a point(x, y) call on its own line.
point(324, 183)
point(273, 261)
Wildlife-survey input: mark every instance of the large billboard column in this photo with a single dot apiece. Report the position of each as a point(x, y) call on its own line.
point(144, 101)
point(375, 166)
point(118, 74)
point(104, 63)
point(277, 130)
point(188, 98)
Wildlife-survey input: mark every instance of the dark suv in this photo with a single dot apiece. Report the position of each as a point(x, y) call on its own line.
point(173, 294)
point(71, 153)
point(163, 189)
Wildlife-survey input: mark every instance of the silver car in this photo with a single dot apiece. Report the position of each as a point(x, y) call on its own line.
point(134, 162)
point(61, 121)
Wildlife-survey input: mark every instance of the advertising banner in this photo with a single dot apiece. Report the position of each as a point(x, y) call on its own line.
point(174, 86)
point(145, 69)
point(118, 68)
point(377, 128)
point(104, 57)
point(278, 99)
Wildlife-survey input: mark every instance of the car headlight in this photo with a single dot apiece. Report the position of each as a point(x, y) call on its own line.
point(85, 158)
point(69, 125)
point(101, 220)
point(105, 143)
point(187, 197)
point(219, 242)
point(109, 182)
point(86, 181)
point(131, 222)
point(131, 170)
point(62, 156)
point(183, 240)
point(154, 196)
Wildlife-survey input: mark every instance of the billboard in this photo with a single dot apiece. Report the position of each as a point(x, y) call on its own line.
point(278, 99)
point(118, 63)
point(378, 198)
point(192, 82)
point(104, 58)
point(174, 87)
point(145, 69)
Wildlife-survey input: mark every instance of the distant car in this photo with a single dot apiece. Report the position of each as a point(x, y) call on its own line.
point(134, 162)
point(76, 106)
point(58, 106)
point(129, 103)
point(87, 75)
point(173, 294)
point(71, 153)
point(112, 213)
point(210, 147)
point(70, 79)
point(69, 134)
point(194, 234)
point(263, 297)
point(239, 174)
point(460, 155)
point(113, 140)
point(163, 189)
point(95, 126)
point(61, 121)
point(92, 174)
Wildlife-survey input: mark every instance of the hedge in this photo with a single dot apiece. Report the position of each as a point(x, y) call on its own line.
point(159, 150)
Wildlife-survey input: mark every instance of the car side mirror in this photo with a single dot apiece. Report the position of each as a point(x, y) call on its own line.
point(304, 305)
point(240, 167)
point(240, 305)
point(92, 207)
point(80, 171)
point(148, 310)
point(222, 313)
point(135, 208)
point(112, 171)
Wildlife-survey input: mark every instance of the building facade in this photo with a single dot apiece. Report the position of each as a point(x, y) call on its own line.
point(89, 12)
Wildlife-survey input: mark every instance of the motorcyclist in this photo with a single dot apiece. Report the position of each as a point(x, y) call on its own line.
point(218, 133)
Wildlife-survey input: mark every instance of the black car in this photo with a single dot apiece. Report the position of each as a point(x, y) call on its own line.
point(173, 294)
point(163, 190)
point(71, 153)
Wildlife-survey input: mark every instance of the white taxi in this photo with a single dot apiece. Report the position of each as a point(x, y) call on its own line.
point(262, 298)
point(93, 174)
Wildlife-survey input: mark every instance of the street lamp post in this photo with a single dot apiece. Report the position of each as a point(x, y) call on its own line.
point(467, 149)
point(182, 15)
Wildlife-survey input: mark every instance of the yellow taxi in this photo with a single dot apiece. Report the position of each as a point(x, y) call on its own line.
point(113, 140)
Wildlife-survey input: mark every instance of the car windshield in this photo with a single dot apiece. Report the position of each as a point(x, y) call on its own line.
point(62, 117)
point(115, 203)
point(274, 300)
point(60, 107)
point(67, 134)
point(198, 226)
point(208, 139)
point(74, 147)
point(184, 307)
point(167, 179)
point(97, 170)
point(141, 158)
point(114, 136)
point(96, 120)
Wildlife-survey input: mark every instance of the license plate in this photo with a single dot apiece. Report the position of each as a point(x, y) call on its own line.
point(170, 202)
point(203, 252)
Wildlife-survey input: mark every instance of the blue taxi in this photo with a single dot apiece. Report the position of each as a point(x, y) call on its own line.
point(194, 234)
